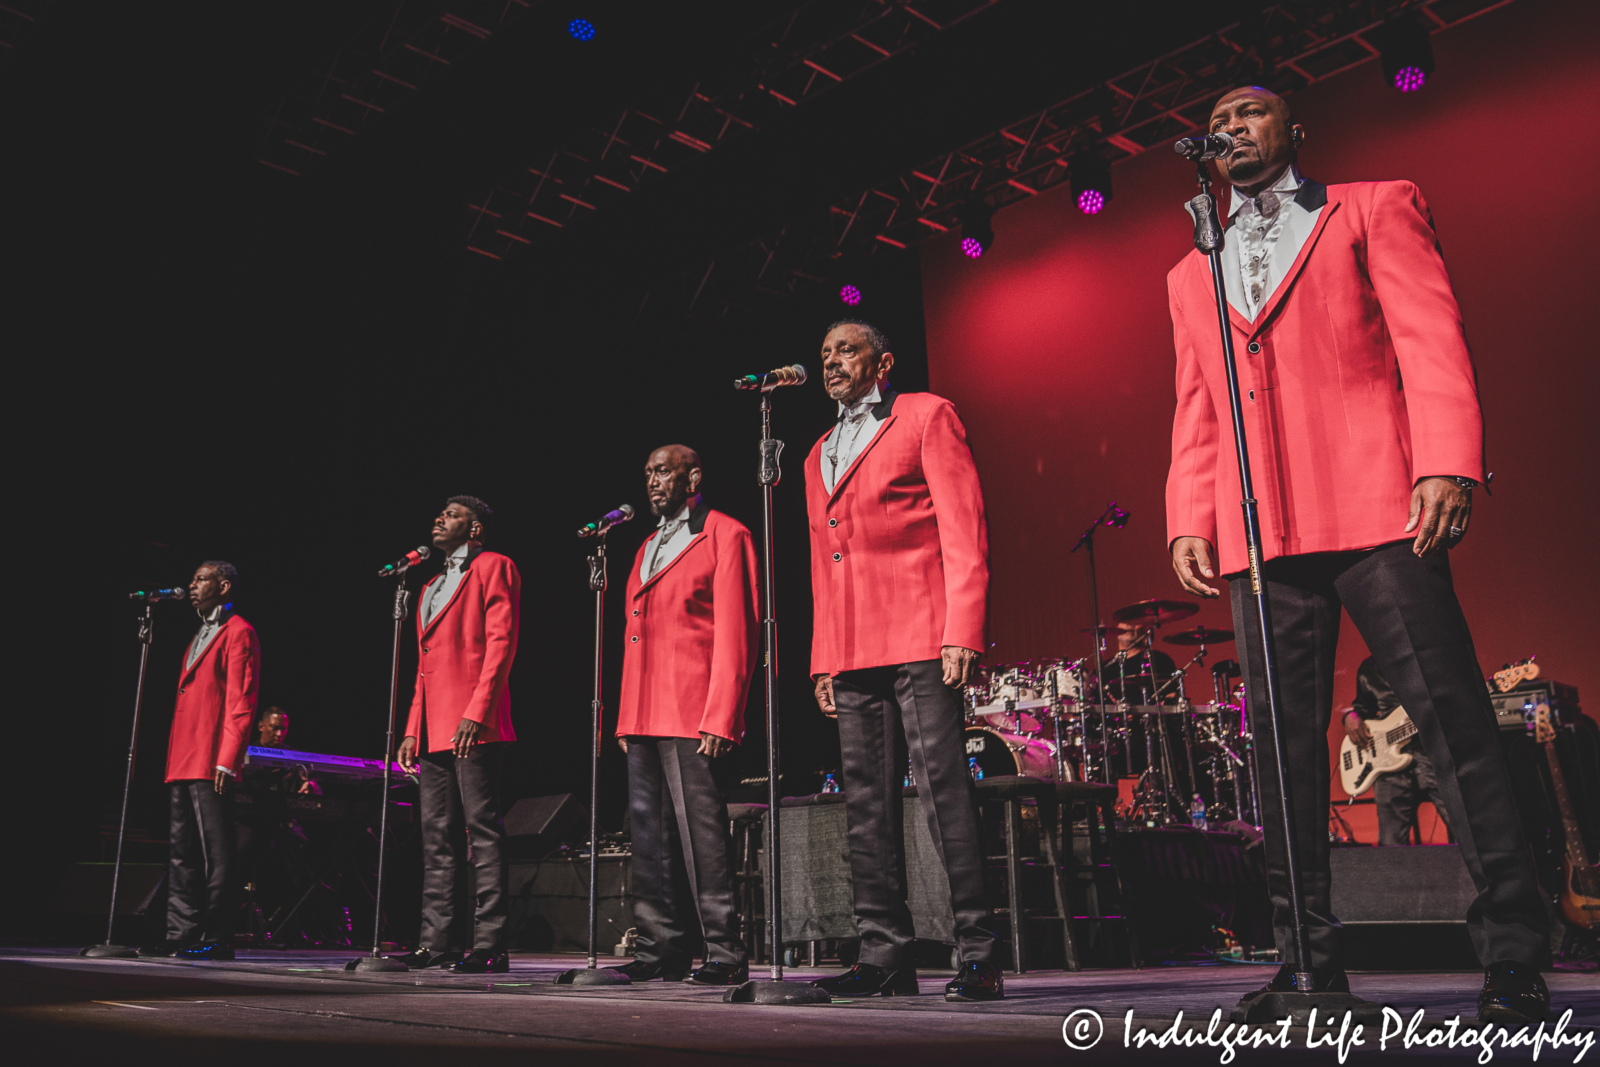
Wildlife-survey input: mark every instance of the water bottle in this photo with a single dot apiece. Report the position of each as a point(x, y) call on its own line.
point(830, 785)
point(910, 780)
point(973, 769)
point(1197, 813)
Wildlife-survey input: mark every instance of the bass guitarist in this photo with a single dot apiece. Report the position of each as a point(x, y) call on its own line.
point(1399, 793)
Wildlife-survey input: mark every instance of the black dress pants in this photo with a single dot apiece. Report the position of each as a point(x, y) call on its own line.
point(883, 711)
point(1398, 795)
point(200, 903)
point(461, 803)
point(680, 854)
point(1406, 610)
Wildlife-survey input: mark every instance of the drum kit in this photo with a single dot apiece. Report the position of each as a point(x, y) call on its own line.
point(1061, 720)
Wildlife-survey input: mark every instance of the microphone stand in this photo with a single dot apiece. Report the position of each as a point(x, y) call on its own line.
point(377, 961)
point(109, 950)
point(776, 990)
point(1208, 238)
point(594, 974)
point(1111, 516)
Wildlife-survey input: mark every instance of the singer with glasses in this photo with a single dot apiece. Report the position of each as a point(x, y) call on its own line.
point(900, 583)
point(1362, 420)
point(210, 728)
point(456, 737)
point(688, 658)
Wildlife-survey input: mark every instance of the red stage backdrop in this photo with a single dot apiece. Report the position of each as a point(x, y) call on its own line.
point(1057, 346)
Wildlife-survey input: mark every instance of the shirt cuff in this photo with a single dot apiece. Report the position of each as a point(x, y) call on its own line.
point(227, 771)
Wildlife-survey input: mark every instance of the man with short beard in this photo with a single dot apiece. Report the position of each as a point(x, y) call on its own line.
point(900, 582)
point(1362, 420)
point(688, 658)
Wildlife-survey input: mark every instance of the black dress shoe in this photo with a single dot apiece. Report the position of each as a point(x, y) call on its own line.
point(1283, 982)
point(1513, 995)
point(479, 961)
point(866, 980)
point(206, 950)
point(715, 972)
point(163, 948)
point(648, 971)
point(977, 980)
point(424, 958)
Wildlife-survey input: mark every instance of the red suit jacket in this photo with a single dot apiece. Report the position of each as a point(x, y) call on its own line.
point(216, 704)
point(1355, 380)
point(465, 653)
point(900, 549)
point(692, 635)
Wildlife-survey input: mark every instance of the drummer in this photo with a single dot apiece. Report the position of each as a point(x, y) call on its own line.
point(1145, 667)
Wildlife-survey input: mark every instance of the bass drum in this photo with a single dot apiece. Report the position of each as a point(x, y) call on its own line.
point(1000, 753)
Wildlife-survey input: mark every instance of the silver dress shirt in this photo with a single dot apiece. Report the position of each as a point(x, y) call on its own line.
point(210, 626)
point(854, 431)
point(672, 537)
point(454, 566)
point(1266, 237)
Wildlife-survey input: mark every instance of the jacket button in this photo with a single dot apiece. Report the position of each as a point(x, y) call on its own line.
point(424, 652)
point(833, 522)
point(180, 692)
point(837, 557)
point(634, 639)
point(636, 611)
point(1252, 394)
point(1253, 347)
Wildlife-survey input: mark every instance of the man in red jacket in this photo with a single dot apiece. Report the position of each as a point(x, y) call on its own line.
point(1366, 440)
point(457, 733)
point(900, 581)
point(210, 727)
point(690, 651)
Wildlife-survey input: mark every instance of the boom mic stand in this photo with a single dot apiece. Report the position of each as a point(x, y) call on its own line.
point(109, 950)
point(1111, 516)
point(594, 974)
point(1208, 239)
point(377, 961)
point(776, 990)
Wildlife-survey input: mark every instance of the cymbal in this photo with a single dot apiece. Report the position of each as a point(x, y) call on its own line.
point(1157, 611)
point(1227, 667)
point(1200, 635)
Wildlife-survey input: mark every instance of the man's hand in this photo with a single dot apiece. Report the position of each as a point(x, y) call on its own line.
point(825, 695)
point(467, 732)
point(1356, 728)
point(1439, 505)
point(714, 746)
point(221, 778)
point(622, 743)
point(960, 665)
point(408, 753)
point(1191, 559)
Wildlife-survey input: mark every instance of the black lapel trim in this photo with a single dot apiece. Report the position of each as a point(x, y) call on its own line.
point(473, 551)
point(883, 407)
point(697, 519)
point(1313, 196)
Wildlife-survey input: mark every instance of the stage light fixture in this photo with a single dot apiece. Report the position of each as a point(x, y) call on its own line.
point(1406, 53)
point(850, 295)
point(977, 227)
point(581, 29)
point(1090, 174)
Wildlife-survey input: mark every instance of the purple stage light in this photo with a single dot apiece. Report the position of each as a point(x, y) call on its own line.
point(1410, 79)
point(850, 295)
point(1091, 202)
point(972, 247)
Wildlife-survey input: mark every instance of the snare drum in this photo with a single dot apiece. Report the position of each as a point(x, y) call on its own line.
point(1000, 753)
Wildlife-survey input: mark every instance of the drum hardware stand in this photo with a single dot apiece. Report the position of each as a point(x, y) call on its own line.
point(377, 961)
point(1111, 516)
point(775, 990)
point(108, 950)
point(593, 973)
point(1208, 238)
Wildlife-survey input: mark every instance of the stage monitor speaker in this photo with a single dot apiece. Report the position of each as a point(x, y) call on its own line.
point(536, 826)
point(1403, 908)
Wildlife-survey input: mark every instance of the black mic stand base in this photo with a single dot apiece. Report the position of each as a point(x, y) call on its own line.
point(380, 964)
point(593, 976)
point(1272, 1006)
point(110, 952)
point(779, 992)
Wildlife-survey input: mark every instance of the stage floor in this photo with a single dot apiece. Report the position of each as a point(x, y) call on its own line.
point(291, 1009)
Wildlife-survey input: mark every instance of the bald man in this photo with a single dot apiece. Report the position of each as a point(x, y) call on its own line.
point(688, 658)
point(1362, 419)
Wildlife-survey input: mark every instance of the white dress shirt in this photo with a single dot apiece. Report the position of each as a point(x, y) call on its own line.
point(210, 626)
point(853, 432)
point(672, 537)
point(1265, 239)
point(454, 566)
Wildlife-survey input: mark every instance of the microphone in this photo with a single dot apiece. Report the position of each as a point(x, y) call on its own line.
point(606, 521)
point(153, 595)
point(794, 374)
point(1211, 146)
point(407, 561)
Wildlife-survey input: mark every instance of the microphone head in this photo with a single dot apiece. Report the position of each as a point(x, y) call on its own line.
point(1225, 144)
point(424, 551)
point(180, 593)
point(799, 374)
point(627, 512)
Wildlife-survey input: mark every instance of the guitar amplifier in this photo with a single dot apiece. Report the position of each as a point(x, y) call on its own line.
point(1514, 710)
